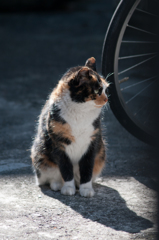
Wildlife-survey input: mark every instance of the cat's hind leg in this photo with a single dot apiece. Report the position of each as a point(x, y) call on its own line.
point(56, 181)
point(40, 178)
point(51, 176)
point(99, 162)
point(47, 173)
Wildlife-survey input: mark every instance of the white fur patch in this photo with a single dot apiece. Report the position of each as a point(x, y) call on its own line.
point(50, 175)
point(103, 92)
point(68, 188)
point(104, 88)
point(86, 189)
point(76, 174)
point(80, 117)
point(56, 186)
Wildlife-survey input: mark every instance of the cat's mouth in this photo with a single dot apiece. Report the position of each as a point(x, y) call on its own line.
point(99, 106)
point(100, 103)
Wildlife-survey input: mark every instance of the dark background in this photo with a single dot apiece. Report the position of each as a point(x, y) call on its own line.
point(45, 5)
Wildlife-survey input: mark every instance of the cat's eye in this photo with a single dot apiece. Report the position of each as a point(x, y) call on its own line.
point(98, 91)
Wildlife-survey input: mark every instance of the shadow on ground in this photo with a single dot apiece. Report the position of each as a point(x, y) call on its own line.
point(107, 207)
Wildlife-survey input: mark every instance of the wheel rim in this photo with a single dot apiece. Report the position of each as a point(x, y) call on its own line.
point(123, 83)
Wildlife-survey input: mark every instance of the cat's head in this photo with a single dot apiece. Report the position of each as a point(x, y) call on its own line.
point(86, 85)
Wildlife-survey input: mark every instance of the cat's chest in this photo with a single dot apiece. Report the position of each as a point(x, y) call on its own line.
point(80, 119)
point(82, 130)
point(82, 138)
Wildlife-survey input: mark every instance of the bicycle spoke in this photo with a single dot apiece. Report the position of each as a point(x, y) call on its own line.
point(134, 58)
point(154, 15)
point(138, 55)
point(139, 92)
point(127, 41)
point(123, 80)
point(136, 65)
point(150, 114)
point(132, 85)
point(142, 107)
point(142, 30)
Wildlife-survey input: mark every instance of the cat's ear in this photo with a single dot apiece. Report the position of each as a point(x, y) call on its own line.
point(91, 63)
point(83, 75)
point(84, 72)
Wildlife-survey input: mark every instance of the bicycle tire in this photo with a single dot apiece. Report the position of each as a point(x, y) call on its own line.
point(124, 11)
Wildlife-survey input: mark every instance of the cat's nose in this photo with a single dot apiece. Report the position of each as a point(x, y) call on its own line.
point(105, 99)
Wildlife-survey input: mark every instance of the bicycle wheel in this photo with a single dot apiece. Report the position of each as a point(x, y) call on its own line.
point(129, 51)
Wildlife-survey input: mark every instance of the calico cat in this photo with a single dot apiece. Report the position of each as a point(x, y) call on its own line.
point(68, 149)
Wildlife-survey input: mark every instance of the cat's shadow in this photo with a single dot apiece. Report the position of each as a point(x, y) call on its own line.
point(107, 207)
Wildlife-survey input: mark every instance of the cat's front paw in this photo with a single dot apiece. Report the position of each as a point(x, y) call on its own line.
point(86, 190)
point(68, 188)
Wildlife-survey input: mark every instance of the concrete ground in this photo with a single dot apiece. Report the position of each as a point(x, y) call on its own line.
point(35, 50)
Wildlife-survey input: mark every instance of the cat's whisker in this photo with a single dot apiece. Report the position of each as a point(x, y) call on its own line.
point(109, 74)
point(106, 106)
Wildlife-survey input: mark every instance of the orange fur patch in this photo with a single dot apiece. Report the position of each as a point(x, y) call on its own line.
point(101, 100)
point(48, 163)
point(99, 161)
point(94, 78)
point(63, 129)
point(59, 90)
point(92, 60)
point(104, 82)
point(94, 133)
point(45, 163)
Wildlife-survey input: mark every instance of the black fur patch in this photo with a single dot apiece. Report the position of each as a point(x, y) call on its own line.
point(58, 138)
point(86, 164)
point(66, 167)
point(96, 123)
point(79, 94)
point(38, 173)
point(55, 114)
